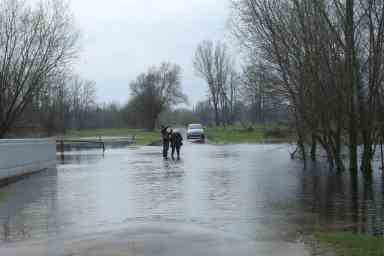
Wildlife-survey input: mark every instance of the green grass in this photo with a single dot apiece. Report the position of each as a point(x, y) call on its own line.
point(221, 135)
point(349, 244)
point(2, 196)
point(238, 134)
point(146, 138)
point(142, 137)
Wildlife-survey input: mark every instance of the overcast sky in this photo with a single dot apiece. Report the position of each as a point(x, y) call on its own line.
point(122, 38)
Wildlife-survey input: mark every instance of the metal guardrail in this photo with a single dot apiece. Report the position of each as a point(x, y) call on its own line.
point(100, 142)
point(62, 142)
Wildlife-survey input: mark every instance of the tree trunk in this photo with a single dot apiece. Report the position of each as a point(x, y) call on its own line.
point(217, 119)
point(351, 84)
point(338, 154)
point(328, 150)
point(3, 130)
point(303, 151)
point(366, 163)
point(152, 124)
point(314, 147)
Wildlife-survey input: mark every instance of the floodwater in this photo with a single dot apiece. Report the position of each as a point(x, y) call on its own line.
point(255, 191)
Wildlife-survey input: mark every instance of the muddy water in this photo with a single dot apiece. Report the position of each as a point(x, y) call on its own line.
point(255, 191)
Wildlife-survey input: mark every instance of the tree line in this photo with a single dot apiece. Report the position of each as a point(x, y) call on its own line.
point(39, 92)
point(234, 96)
point(324, 60)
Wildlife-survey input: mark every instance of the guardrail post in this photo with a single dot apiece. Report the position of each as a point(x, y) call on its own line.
point(62, 146)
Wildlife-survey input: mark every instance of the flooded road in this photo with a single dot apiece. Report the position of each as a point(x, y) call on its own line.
point(254, 191)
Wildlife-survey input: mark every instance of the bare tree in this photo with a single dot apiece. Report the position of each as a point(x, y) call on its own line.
point(214, 65)
point(36, 43)
point(233, 91)
point(154, 92)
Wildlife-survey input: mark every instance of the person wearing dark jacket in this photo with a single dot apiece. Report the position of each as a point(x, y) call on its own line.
point(176, 143)
point(165, 135)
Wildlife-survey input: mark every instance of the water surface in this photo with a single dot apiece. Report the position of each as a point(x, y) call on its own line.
point(255, 191)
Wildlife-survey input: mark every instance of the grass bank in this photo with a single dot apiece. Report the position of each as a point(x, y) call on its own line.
point(142, 137)
point(349, 244)
point(255, 134)
point(216, 135)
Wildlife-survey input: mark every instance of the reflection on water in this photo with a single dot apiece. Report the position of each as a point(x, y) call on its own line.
point(28, 208)
point(77, 156)
point(252, 190)
point(344, 201)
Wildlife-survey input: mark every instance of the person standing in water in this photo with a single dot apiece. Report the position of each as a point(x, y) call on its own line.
point(176, 143)
point(165, 135)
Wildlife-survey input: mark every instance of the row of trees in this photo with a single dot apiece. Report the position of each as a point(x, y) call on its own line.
point(246, 97)
point(38, 91)
point(66, 104)
point(325, 63)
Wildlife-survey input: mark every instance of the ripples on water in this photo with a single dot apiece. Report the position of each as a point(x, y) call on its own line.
point(252, 190)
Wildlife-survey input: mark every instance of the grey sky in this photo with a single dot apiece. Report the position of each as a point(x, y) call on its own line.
point(122, 38)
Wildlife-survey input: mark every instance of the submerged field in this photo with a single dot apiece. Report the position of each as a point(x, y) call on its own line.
point(230, 186)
